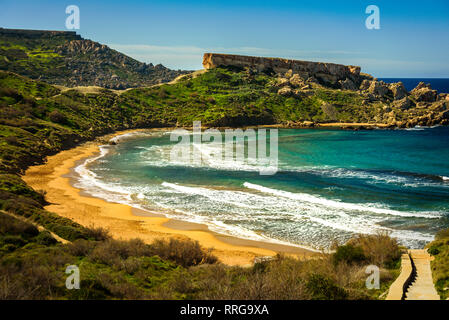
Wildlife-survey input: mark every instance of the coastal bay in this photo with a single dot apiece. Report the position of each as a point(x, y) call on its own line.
point(125, 222)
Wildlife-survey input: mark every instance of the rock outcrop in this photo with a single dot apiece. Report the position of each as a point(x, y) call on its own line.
point(398, 90)
point(424, 93)
point(378, 88)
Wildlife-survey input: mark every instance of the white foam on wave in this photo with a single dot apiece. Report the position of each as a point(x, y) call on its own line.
point(370, 177)
point(204, 155)
point(135, 134)
point(337, 204)
point(297, 210)
point(159, 156)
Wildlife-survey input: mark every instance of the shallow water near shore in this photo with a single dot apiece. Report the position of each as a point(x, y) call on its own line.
point(330, 185)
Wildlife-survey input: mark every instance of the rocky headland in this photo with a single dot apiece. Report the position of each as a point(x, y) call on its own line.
point(294, 78)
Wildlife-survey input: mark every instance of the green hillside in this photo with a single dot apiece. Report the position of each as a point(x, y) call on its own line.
point(64, 58)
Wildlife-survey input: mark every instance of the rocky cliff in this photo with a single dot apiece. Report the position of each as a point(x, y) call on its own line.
point(330, 74)
point(65, 58)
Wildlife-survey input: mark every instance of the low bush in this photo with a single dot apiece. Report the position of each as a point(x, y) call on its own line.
point(324, 288)
point(379, 249)
point(442, 234)
point(57, 117)
point(184, 252)
point(349, 254)
point(98, 233)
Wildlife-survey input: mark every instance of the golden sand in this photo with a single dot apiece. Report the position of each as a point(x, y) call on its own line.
point(125, 222)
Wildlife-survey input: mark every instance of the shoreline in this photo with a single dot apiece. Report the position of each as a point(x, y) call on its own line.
point(126, 222)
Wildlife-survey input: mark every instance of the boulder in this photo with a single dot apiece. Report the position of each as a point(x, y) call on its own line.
point(296, 81)
point(443, 96)
point(378, 88)
point(399, 91)
point(403, 104)
point(441, 105)
point(285, 91)
point(422, 85)
point(282, 82)
point(308, 124)
point(365, 85)
point(424, 93)
point(312, 79)
point(348, 85)
point(327, 79)
point(444, 115)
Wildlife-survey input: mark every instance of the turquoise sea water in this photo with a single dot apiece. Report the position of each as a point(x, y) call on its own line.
point(330, 185)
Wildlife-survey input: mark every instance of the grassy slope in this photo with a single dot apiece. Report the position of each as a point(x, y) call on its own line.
point(37, 120)
point(440, 265)
point(32, 57)
point(226, 97)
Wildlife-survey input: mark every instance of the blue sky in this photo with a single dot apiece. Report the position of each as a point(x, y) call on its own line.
point(413, 40)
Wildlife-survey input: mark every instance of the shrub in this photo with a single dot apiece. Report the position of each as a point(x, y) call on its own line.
point(12, 140)
point(98, 234)
point(349, 254)
point(324, 288)
point(112, 252)
point(80, 247)
point(57, 117)
point(184, 252)
point(442, 234)
point(45, 238)
point(90, 289)
point(379, 249)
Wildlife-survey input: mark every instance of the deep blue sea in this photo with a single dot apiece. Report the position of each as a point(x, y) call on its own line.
point(439, 84)
point(330, 185)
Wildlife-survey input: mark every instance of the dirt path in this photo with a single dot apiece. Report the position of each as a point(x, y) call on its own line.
point(38, 226)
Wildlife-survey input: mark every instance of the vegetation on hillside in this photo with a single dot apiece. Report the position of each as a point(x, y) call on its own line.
point(33, 264)
point(439, 248)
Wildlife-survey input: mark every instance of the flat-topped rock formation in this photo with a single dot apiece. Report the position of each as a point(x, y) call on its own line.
point(326, 73)
point(39, 34)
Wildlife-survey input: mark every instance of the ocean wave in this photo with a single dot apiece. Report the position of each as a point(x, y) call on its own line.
point(337, 204)
point(135, 134)
point(203, 155)
point(401, 178)
point(159, 156)
point(314, 210)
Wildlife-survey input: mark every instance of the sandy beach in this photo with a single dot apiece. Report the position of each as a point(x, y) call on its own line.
point(125, 222)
